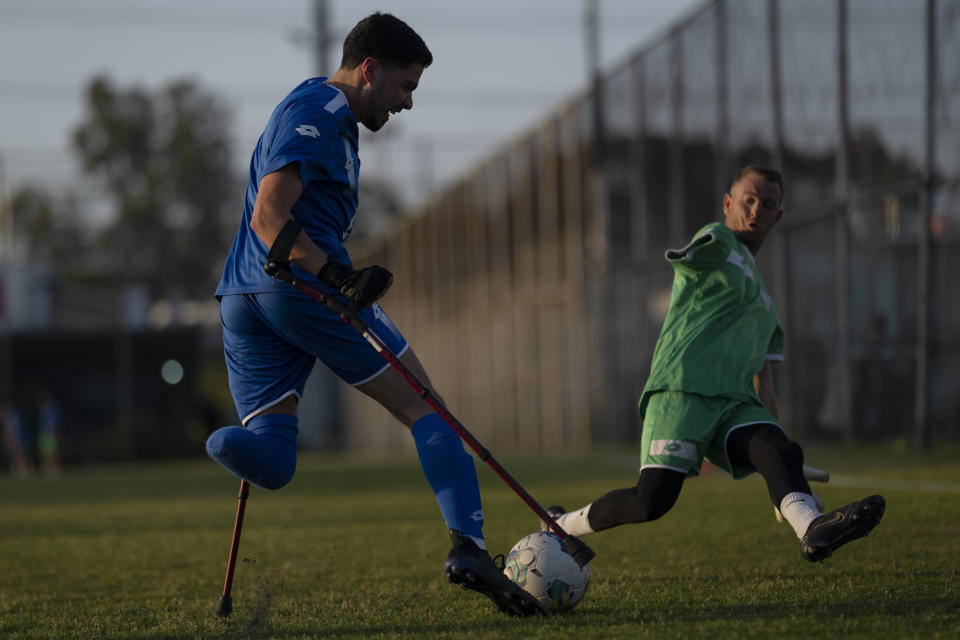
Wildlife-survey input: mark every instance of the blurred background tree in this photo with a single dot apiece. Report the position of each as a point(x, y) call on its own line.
point(164, 160)
point(47, 233)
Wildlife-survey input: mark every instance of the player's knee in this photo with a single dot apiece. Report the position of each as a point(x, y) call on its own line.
point(645, 510)
point(223, 444)
point(780, 453)
point(636, 506)
point(656, 492)
point(277, 440)
point(791, 454)
point(266, 459)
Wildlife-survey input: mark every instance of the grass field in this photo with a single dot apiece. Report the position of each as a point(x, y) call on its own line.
point(353, 548)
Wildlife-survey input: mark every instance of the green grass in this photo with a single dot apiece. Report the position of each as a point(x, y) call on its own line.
point(353, 548)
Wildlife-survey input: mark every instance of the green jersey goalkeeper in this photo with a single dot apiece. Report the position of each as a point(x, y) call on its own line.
point(710, 393)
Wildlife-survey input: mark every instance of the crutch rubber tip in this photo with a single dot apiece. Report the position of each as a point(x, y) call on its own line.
point(224, 606)
point(580, 552)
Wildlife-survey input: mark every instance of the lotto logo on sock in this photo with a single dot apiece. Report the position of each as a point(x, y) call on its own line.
point(477, 516)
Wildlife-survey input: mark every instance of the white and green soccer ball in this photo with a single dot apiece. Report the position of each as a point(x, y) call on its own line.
point(544, 569)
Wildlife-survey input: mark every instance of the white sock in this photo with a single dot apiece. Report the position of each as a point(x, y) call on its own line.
point(799, 509)
point(575, 522)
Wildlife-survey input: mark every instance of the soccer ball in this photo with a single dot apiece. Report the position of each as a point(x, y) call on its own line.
point(544, 569)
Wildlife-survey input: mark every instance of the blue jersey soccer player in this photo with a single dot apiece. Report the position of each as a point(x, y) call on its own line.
point(710, 393)
point(300, 202)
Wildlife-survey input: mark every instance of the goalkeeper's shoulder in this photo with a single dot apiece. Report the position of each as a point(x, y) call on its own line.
point(708, 245)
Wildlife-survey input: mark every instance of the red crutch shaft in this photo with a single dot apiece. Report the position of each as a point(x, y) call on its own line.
point(580, 552)
point(225, 604)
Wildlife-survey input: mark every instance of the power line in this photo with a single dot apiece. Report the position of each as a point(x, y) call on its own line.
point(161, 16)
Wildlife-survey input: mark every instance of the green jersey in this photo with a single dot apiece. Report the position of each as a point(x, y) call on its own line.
point(722, 323)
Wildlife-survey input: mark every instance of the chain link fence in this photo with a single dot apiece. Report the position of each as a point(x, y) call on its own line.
point(534, 289)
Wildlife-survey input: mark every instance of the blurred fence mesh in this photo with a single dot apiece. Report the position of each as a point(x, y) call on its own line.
point(533, 290)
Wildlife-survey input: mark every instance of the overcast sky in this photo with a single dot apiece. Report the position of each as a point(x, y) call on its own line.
point(500, 66)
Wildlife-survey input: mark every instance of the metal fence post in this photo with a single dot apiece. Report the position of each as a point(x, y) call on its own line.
point(842, 231)
point(921, 436)
point(786, 390)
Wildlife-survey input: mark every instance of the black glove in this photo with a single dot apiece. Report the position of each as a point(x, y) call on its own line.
point(364, 287)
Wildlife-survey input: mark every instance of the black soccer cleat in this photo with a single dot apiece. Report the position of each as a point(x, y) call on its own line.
point(472, 568)
point(554, 511)
point(830, 531)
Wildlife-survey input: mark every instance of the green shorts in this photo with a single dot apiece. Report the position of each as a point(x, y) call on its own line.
point(681, 429)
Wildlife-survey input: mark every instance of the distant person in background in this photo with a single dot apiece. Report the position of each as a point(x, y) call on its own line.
point(15, 438)
point(710, 391)
point(299, 209)
point(48, 432)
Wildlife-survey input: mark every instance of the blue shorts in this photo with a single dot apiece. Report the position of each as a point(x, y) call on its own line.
point(271, 341)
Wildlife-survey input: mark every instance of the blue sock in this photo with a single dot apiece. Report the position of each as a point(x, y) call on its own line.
point(263, 454)
point(451, 474)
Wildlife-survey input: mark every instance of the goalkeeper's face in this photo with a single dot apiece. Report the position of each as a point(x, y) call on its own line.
point(389, 90)
point(752, 209)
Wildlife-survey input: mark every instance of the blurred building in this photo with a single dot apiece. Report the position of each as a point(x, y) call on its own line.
point(26, 299)
point(134, 378)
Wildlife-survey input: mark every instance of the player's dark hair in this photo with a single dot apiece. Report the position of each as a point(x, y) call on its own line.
point(768, 174)
point(386, 38)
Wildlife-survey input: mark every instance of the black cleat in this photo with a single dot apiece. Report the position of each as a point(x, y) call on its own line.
point(472, 568)
point(830, 531)
point(554, 512)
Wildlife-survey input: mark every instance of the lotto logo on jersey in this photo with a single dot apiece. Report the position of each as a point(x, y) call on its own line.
point(308, 130)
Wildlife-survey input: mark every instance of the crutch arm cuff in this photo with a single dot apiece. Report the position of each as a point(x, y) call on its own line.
point(283, 243)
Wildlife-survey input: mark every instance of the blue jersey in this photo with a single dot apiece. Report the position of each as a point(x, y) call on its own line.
point(314, 126)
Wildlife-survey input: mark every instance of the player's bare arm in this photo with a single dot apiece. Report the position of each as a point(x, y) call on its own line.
point(277, 194)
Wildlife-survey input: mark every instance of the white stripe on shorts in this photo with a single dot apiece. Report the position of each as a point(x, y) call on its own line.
point(253, 414)
point(386, 366)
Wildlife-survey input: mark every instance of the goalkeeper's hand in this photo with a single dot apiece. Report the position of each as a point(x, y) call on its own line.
point(363, 287)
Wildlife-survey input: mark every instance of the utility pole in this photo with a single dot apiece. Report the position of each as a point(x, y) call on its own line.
point(592, 51)
point(321, 38)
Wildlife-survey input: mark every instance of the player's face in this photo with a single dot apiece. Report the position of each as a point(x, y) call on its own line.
point(390, 90)
point(752, 209)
